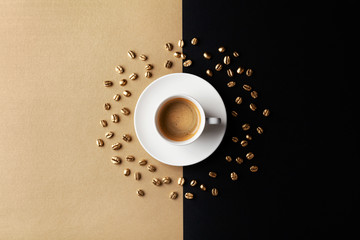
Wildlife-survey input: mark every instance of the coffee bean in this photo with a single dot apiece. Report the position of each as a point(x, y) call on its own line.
point(166, 180)
point(108, 83)
point(209, 72)
point(239, 160)
point(238, 100)
point(123, 82)
point(117, 97)
point(250, 155)
point(254, 94)
point(236, 54)
point(99, 142)
point(254, 168)
point(230, 73)
point(245, 126)
point(227, 60)
point(183, 56)
point(202, 187)
point(244, 143)
point(218, 67)
point(207, 55)
point(231, 84)
point(181, 181)
point(221, 49)
point(168, 64)
point(137, 176)
point(119, 69)
point(115, 118)
point(240, 70)
point(173, 195)
point(181, 43)
point(131, 54)
point(140, 192)
point(187, 63)
point(127, 93)
point(194, 41)
point(148, 67)
point(126, 138)
point(130, 158)
point(142, 57)
point(156, 181)
point(189, 195)
point(151, 168)
point(109, 135)
point(233, 176)
point(133, 76)
point(127, 172)
point(266, 112)
point(248, 137)
point(249, 72)
point(168, 46)
point(103, 123)
point(142, 162)
point(246, 87)
point(148, 74)
point(107, 106)
point(116, 146)
point(125, 111)
point(259, 130)
point(234, 113)
point(228, 158)
point(235, 139)
point(193, 183)
point(214, 192)
point(212, 174)
point(116, 160)
point(177, 54)
point(252, 106)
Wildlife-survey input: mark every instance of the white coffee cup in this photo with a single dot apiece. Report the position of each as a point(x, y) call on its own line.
point(202, 120)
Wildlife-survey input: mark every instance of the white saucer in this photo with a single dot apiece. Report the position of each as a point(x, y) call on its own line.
point(173, 84)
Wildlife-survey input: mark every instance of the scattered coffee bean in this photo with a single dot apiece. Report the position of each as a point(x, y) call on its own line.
point(143, 57)
point(107, 106)
point(140, 192)
point(126, 93)
point(183, 56)
point(99, 142)
point(194, 41)
point(254, 94)
point(148, 74)
point(202, 187)
point(228, 158)
point(122, 82)
point(109, 135)
point(207, 55)
point(233, 176)
point(177, 54)
point(119, 69)
point(181, 181)
point(249, 72)
point(173, 195)
point(239, 160)
point(148, 67)
point(189, 195)
point(248, 137)
point(116, 160)
point(252, 106)
point(236, 54)
point(168, 46)
point(187, 63)
point(130, 158)
point(156, 181)
point(234, 113)
point(266, 112)
point(116, 146)
point(218, 67)
point(240, 70)
point(244, 143)
point(250, 155)
point(245, 126)
point(238, 100)
point(230, 73)
point(166, 180)
point(254, 168)
point(103, 123)
point(181, 43)
point(142, 162)
point(212, 174)
point(126, 138)
point(231, 84)
point(221, 49)
point(209, 72)
point(227, 60)
point(133, 76)
point(193, 183)
point(168, 64)
point(260, 130)
point(235, 139)
point(151, 168)
point(137, 176)
point(131, 54)
point(246, 87)
point(108, 83)
point(117, 97)
point(214, 192)
point(115, 118)
point(127, 172)
point(125, 111)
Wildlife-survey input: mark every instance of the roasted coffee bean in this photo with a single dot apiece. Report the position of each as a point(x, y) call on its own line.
point(234, 113)
point(177, 54)
point(187, 63)
point(194, 41)
point(207, 55)
point(103, 123)
point(117, 97)
point(127, 93)
point(116, 146)
point(168, 64)
point(140, 192)
point(122, 82)
point(246, 87)
point(250, 155)
point(254, 94)
point(202, 187)
point(260, 130)
point(131, 54)
point(252, 106)
point(244, 143)
point(173, 195)
point(99, 142)
point(193, 183)
point(109, 134)
point(181, 181)
point(230, 73)
point(156, 181)
point(266, 112)
point(119, 69)
point(239, 160)
point(214, 192)
point(235, 139)
point(181, 43)
point(125, 111)
point(248, 137)
point(142, 162)
point(143, 57)
point(254, 168)
point(127, 172)
point(151, 168)
point(228, 158)
point(227, 60)
point(126, 138)
point(108, 83)
point(189, 195)
point(212, 174)
point(166, 180)
point(148, 74)
point(148, 67)
point(209, 72)
point(238, 100)
point(233, 176)
point(231, 84)
point(240, 70)
point(130, 158)
point(116, 160)
point(137, 176)
point(245, 126)
point(218, 67)
point(183, 56)
point(115, 118)
point(249, 72)
point(236, 54)
point(168, 46)
point(221, 49)
point(107, 106)
point(133, 76)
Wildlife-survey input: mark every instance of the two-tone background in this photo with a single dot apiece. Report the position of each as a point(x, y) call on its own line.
point(56, 184)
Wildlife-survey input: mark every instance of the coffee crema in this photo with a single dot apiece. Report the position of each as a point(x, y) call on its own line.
point(178, 119)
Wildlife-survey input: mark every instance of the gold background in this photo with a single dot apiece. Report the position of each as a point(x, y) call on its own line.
point(55, 183)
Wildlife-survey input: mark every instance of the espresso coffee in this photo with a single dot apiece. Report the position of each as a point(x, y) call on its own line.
point(178, 119)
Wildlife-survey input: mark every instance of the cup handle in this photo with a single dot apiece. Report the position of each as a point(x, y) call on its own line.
point(213, 120)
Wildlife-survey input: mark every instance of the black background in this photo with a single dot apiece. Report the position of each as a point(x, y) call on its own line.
point(305, 187)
